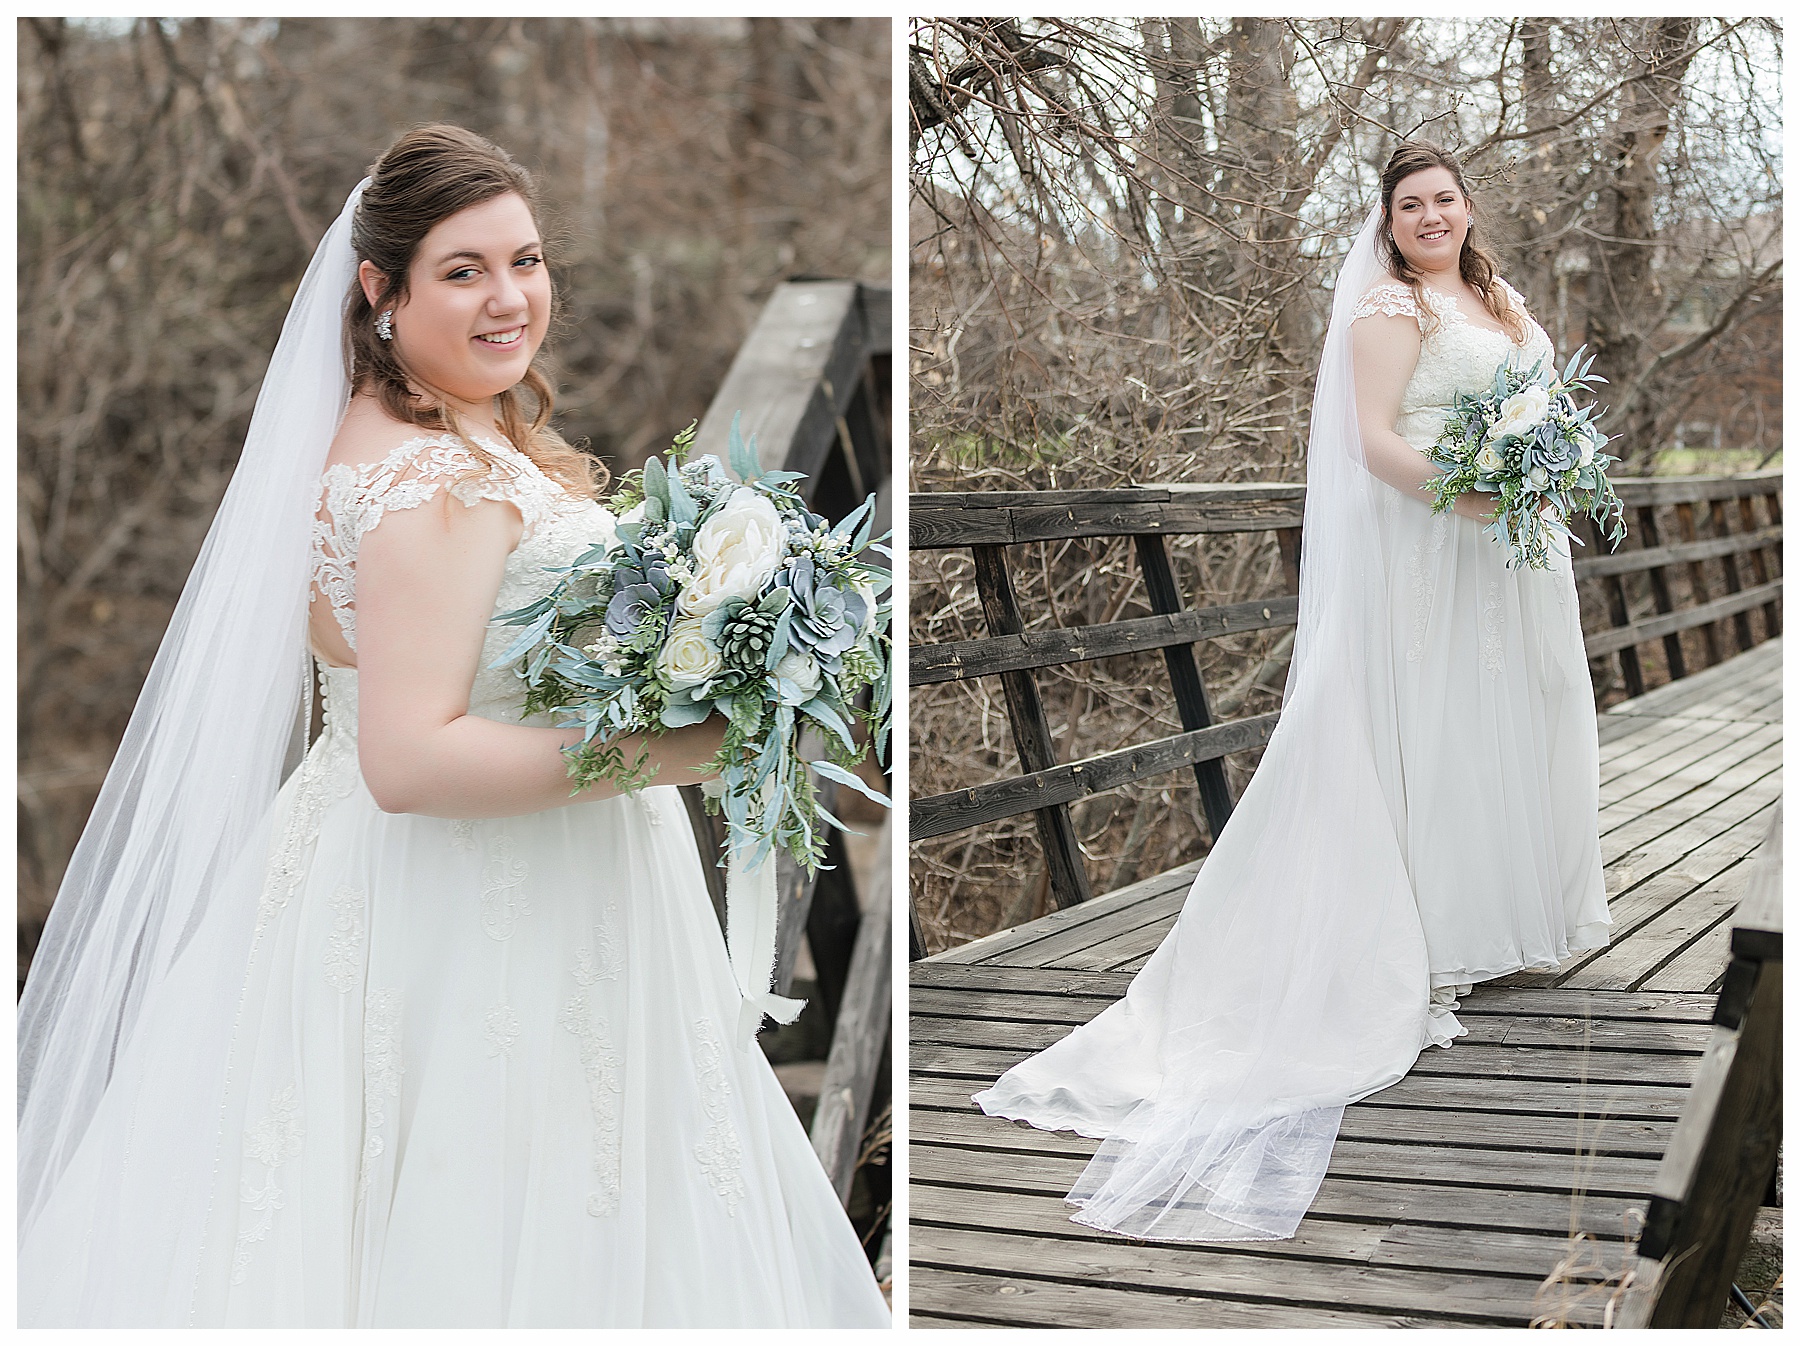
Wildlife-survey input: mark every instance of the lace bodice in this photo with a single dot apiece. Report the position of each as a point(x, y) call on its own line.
point(353, 499)
point(1456, 355)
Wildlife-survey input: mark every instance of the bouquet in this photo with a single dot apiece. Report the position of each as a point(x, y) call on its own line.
point(722, 596)
point(1526, 441)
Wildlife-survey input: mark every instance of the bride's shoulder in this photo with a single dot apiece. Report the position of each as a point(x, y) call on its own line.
point(371, 448)
point(1387, 299)
point(378, 465)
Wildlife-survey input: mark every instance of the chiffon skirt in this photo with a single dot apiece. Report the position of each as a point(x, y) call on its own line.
point(1499, 751)
point(482, 1074)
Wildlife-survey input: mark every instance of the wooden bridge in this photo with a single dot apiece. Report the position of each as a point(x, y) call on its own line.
point(813, 383)
point(1452, 1197)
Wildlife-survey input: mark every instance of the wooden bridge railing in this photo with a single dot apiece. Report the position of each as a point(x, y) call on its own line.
point(1720, 1165)
point(988, 523)
point(1655, 592)
point(813, 382)
point(1642, 580)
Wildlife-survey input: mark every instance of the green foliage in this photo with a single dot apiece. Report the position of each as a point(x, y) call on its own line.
point(611, 649)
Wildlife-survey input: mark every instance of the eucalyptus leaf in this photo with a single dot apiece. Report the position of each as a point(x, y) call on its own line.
point(832, 771)
point(827, 715)
point(742, 455)
point(682, 508)
point(656, 483)
point(679, 714)
point(527, 638)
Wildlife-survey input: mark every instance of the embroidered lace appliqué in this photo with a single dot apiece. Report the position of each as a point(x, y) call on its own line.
point(1458, 356)
point(1422, 569)
point(1389, 300)
point(606, 959)
point(718, 1151)
point(502, 1023)
point(503, 898)
point(382, 1072)
point(1493, 619)
point(343, 945)
point(270, 1143)
point(558, 526)
point(324, 776)
point(462, 836)
point(602, 1066)
point(353, 499)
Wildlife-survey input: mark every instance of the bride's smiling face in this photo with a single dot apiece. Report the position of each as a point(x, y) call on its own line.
point(1429, 216)
point(477, 302)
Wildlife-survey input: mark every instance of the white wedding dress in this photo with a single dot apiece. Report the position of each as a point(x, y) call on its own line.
point(483, 1073)
point(1493, 704)
point(1378, 863)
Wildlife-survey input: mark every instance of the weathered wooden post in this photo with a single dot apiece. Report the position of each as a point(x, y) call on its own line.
point(812, 382)
point(1722, 1159)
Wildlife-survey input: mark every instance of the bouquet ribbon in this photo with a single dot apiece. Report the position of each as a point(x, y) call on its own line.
point(751, 900)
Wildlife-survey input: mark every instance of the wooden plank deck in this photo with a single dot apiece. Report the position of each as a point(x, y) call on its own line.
point(1452, 1196)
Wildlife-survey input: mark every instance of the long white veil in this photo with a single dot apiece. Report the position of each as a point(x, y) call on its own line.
point(1296, 979)
point(188, 796)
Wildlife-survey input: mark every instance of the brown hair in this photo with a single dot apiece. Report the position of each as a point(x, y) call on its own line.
point(423, 178)
point(1479, 266)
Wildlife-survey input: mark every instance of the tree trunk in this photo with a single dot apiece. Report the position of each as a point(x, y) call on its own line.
point(1540, 178)
point(1624, 298)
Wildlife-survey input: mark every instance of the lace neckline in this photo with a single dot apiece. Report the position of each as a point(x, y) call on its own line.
point(404, 450)
point(1449, 306)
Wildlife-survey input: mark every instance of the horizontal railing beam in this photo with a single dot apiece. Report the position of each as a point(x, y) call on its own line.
point(796, 373)
point(939, 815)
point(1629, 561)
point(1005, 518)
point(957, 660)
point(1620, 637)
point(1635, 491)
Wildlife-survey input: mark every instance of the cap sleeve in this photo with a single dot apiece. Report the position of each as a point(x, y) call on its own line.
point(416, 471)
point(355, 499)
point(1390, 299)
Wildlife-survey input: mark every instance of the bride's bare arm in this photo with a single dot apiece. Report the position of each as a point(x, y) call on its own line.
point(1385, 352)
point(426, 582)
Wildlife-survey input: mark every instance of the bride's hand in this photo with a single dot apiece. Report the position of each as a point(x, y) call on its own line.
point(1475, 505)
point(689, 750)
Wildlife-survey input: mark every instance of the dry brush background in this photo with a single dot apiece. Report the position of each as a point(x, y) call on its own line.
point(1122, 237)
point(174, 176)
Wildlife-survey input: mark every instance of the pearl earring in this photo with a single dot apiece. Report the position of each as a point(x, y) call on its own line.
point(384, 325)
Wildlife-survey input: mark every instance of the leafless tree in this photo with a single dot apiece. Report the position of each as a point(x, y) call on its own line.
point(174, 176)
point(1122, 237)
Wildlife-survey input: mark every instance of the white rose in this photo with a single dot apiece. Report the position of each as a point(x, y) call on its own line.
point(687, 659)
point(735, 552)
point(1489, 460)
point(801, 670)
point(1539, 478)
point(1587, 449)
point(867, 591)
point(1520, 412)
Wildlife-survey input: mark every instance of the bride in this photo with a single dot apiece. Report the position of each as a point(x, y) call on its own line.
point(1425, 815)
point(411, 1039)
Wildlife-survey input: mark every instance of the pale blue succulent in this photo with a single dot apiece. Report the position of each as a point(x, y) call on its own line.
point(637, 591)
point(827, 620)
